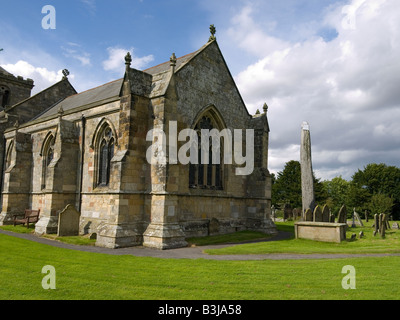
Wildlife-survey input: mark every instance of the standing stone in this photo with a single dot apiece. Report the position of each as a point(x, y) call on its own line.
point(325, 214)
point(308, 215)
point(318, 214)
point(307, 180)
point(366, 216)
point(342, 217)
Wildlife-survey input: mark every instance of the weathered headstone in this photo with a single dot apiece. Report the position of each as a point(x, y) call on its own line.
point(296, 213)
point(308, 215)
point(213, 226)
point(287, 211)
point(361, 234)
point(376, 224)
point(342, 217)
point(382, 225)
point(68, 222)
point(325, 214)
point(366, 216)
point(307, 179)
point(332, 218)
point(357, 218)
point(395, 225)
point(317, 214)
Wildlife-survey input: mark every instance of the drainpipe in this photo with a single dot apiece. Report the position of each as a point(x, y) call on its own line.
point(83, 120)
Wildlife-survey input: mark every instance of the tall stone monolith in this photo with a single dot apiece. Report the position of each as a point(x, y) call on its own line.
point(307, 180)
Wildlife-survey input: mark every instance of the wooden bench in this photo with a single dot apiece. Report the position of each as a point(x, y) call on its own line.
point(30, 216)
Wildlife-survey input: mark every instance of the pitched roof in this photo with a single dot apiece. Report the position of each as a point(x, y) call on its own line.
point(3, 71)
point(94, 95)
point(112, 89)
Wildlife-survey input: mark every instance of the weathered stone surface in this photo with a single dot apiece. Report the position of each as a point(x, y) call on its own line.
point(325, 214)
point(68, 222)
point(317, 215)
point(321, 231)
point(308, 215)
point(307, 179)
point(342, 217)
point(89, 150)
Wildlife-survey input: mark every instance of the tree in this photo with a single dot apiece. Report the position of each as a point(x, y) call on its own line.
point(381, 204)
point(286, 187)
point(377, 179)
point(337, 191)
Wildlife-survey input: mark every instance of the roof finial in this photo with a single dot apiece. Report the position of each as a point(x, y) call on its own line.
point(173, 60)
point(65, 73)
point(213, 31)
point(265, 108)
point(128, 60)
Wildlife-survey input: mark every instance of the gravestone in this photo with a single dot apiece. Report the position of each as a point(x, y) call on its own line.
point(376, 224)
point(332, 218)
point(395, 225)
point(213, 227)
point(325, 214)
point(296, 213)
point(357, 218)
point(382, 224)
point(68, 222)
point(287, 212)
point(342, 217)
point(308, 215)
point(318, 214)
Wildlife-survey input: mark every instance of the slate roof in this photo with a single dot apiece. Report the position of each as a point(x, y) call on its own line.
point(98, 94)
point(112, 89)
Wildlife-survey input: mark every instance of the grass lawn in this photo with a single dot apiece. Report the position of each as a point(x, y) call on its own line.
point(368, 244)
point(89, 276)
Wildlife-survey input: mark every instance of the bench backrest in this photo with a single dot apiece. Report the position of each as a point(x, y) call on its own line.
point(32, 213)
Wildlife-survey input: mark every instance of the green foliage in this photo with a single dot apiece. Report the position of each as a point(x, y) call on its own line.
point(381, 203)
point(377, 179)
point(286, 187)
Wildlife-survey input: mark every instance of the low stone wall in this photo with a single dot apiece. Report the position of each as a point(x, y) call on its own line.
point(320, 231)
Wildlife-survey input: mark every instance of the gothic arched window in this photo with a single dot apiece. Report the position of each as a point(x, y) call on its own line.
point(206, 175)
point(105, 152)
point(47, 157)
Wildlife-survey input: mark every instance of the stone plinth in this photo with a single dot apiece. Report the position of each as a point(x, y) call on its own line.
point(320, 231)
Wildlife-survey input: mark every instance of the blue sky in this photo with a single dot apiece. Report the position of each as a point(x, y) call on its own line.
point(332, 63)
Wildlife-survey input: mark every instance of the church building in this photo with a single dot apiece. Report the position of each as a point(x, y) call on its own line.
point(90, 150)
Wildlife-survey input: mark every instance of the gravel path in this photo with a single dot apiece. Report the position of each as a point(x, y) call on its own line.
point(191, 252)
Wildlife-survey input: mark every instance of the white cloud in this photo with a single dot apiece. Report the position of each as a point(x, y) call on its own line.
point(74, 51)
point(346, 88)
point(43, 77)
point(116, 60)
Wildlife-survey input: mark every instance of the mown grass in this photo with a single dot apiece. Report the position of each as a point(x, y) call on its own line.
point(94, 276)
point(368, 244)
point(241, 236)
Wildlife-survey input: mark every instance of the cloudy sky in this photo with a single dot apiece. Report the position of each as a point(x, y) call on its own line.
point(332, 63)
